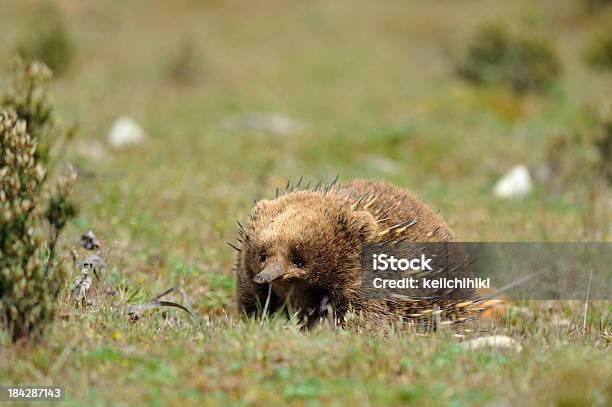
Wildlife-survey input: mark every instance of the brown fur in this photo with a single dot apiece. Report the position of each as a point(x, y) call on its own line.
point(315, 236)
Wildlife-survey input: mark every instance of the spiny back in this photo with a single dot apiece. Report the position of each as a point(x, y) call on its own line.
point(398, 212)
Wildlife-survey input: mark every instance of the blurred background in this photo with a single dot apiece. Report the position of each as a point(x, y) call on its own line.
point(496, 113)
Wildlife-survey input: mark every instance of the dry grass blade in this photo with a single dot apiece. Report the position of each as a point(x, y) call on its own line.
point(586, 304)
point(264, 314)
point(156, 303)
point(138, 308)
point(512, 285)
point(192, 314)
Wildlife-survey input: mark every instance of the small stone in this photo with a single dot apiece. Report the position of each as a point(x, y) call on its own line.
point(516, 183)
point(125, 133)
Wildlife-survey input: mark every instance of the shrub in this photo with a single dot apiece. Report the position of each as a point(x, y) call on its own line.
point(30, 275)
point(26, 96)
point(594, 6)
point(46, 40)
point(495, 57)
point(599, 51)
point(584, 154)
point(604, 147)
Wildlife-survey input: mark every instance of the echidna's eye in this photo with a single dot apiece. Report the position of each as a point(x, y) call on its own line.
point(297, 260)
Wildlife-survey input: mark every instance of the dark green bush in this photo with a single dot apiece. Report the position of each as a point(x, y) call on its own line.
point(583, 154)
point(496, 57)
point(47, 40)
point(604, 148)
point(32, 214)
point(593, 6)
point(599, 51)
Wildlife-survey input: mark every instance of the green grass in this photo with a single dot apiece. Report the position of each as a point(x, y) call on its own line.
point(372, 86)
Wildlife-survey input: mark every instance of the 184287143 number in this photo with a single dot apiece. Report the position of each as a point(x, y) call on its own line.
point(13, 393)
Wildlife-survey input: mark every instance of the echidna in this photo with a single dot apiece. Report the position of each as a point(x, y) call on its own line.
point(301, 251)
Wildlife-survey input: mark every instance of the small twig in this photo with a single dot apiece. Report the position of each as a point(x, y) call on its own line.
point(156, 303)
point(163, 294)
point(135, 309)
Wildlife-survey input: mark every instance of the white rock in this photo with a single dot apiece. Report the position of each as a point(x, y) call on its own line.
point(494, 341)
point(516, 183)
point(126, 132)
point(272, 123)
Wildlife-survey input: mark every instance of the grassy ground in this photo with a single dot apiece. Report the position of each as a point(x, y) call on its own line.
point(373, 89)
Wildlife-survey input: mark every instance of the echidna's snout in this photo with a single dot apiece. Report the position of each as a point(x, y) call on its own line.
point(272, 272)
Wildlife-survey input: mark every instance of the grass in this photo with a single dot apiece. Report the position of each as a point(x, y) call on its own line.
point(245, 363)
point(373, 89)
